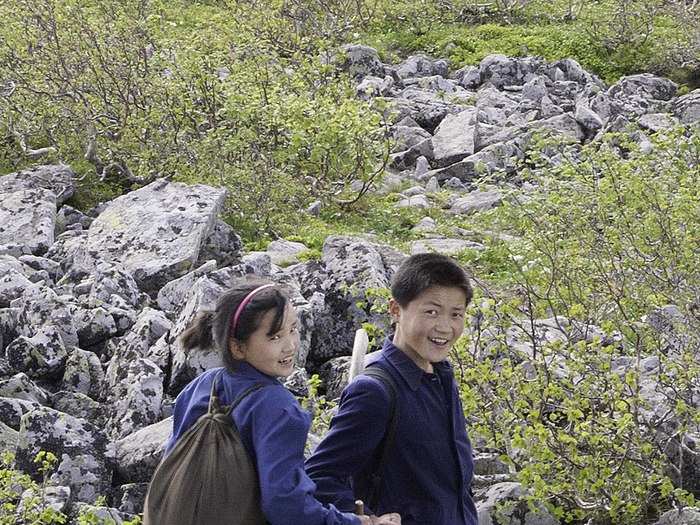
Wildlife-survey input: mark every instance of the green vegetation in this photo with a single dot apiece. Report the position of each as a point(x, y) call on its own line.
point(246, 95)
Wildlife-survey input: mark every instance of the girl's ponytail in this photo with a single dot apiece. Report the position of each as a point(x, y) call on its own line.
point(199, 334)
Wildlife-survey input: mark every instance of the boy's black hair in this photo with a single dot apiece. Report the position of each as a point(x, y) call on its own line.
point(212, 329)
point(423, 270)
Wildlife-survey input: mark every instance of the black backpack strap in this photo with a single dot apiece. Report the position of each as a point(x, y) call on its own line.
point(388, 440)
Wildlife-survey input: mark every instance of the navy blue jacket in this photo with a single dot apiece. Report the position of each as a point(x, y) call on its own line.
point(427, 477)
point(274, 429)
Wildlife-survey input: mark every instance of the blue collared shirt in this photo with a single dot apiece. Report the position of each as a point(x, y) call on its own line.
point(274, 429)
point(428, 474)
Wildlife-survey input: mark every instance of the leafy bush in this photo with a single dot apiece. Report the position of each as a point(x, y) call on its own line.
point(606, 242)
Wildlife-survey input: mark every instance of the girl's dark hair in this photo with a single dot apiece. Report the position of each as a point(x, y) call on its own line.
point(212, 329)
point(421, 271)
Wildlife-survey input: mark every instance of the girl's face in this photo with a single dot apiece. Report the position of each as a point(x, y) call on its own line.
point(271, 354)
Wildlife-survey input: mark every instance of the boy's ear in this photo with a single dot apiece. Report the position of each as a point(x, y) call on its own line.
point(236, 349)
point(394, 310)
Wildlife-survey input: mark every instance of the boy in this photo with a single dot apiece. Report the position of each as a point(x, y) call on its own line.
point(426, 473)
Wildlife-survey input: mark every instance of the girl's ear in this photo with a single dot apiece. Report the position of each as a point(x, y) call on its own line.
point(394, 310)
point(236, 349)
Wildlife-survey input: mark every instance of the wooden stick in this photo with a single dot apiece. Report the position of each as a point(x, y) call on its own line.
point(359, 507)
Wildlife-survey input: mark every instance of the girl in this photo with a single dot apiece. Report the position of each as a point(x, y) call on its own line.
point(254, 327)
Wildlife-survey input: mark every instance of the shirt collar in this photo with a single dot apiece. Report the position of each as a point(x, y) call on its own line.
point(404, 365)
point(244, 369)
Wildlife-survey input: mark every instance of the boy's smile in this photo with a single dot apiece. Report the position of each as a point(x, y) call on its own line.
point(428, 326)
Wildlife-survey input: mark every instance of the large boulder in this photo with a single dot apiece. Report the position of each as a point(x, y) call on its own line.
point(41, 356)
point(138, 454)
point(421, 66)
point(361, 61)
point(28, 220)
point(58, 179)
point(155, 232)
point(687, 107)
point(454, 138)
point(80, 447)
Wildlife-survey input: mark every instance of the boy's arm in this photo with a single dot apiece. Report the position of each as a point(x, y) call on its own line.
point(355, 432)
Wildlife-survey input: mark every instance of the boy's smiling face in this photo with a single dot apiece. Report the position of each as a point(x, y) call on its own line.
point(428, 326)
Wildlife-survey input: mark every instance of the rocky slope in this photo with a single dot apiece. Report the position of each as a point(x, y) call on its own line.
point(91, 304)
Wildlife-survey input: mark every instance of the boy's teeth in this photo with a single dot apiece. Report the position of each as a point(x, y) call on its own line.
point(438, 341)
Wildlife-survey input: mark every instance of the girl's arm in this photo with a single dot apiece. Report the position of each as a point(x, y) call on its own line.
point(356, 432)
point(279, 431)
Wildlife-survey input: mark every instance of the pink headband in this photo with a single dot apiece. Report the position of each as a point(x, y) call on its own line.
point(241, 307)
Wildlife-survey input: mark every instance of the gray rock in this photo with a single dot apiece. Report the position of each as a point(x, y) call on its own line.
point(314, 209)
point(644, 85)
point(415, 201)
point(70, 218)
point(685, 516)
point(422, 167)
point(8, 437)
point(657, 121)
point(337, 290)
point(564, 126)
point(257, 263)
point(371, 87)
point(83, 373)
point(79, 446)
point(19, 386)
point(334, 374)
point(454, 138)
point(590, 120)
point(13, 285)
point(406, 137)
point(131, 497)
point(162, 241)
point(171, 297)
point(444, 246)
point(425, 225)
point(12, 410)
point(477, 201)
point(497, 157)
point(298, 383)
point(66, 247)
point(137, 455)
point(361, 61)
point(407, 159)
point(57, 498)
point(42, 264)
point(135, 394)
point(421, 66)
point(223, 245)
point(284, 253)
point(687, 107)
point(80, 406)
point(41, 356)
point(57, 179)
point(102, 514)
point(492, 511)
point(432, 185)
point(469, 77)
point(502, 71)
point(47, 308)
point(28, 218)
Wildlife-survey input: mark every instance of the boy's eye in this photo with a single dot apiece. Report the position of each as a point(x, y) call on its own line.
point(458, 315)
point(431, 312)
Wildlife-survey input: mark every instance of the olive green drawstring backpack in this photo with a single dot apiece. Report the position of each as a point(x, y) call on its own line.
point(208, 478)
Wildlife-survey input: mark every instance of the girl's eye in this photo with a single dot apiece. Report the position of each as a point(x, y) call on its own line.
point(274, 337)
point(458, 315)
point(431, 312)
point(294, 329)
